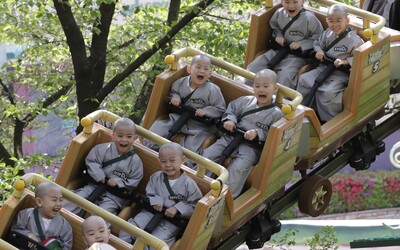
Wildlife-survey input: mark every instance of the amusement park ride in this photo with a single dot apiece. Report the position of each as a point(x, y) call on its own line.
point(296, 143)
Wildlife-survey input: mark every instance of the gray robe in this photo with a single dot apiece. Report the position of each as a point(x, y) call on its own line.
point(59, 227)
point(157, 193)
point(208, 97)
point(329, 95)
point(127, 173)
point(304, 31)
point(380, 7)
point(245, 156)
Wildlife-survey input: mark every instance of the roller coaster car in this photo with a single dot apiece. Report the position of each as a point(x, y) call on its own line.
point(363, 100)
point(207, 209)
point(15, 204)
point(275, 167)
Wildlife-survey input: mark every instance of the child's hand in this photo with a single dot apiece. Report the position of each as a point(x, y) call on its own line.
point(250, 134)
point(280, 40)
point(111, 183)
point(33, 237)
point(294, 46)
point(170, 212)
point(339, 62)
point(320, 55)
point(230, 126)
point(158, 207)
point(176, 101)
point(200, 113)
point(102, 180)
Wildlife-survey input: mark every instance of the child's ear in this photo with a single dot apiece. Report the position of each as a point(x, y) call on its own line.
point(183, 159)
point(189, 68)
point(38, 201)
point(276, 88)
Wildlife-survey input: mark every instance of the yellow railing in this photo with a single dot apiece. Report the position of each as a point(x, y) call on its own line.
point(142, 238)
point(283, 91)
point(203, 163)
point(5, 245)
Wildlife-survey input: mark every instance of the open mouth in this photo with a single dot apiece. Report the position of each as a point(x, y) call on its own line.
point(200, 77)
point(262, 97)
point(292, 11)
point(123, 145)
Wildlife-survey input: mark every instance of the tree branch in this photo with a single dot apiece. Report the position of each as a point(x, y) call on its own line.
point(5, 155)
point(7, 92)
point(46, 103)
point(148, 53)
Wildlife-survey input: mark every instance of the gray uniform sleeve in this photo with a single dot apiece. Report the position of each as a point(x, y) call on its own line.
point(175, 88)
point(357, 42)
point(94, 163)
point(314, 31)
point(151, 190)
point(217, 103)
point(67, 236)
point(21, 224)
point(232, 111)
point(186, 208)
point(276, 30)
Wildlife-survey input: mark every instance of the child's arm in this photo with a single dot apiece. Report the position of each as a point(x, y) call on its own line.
point(21, 224)
point(151, 190)
point(94, 163)
point(174, 96)
point(216, 103)
point(314, 30)
point(67, 236)
point(193, 194)
point(276, 29)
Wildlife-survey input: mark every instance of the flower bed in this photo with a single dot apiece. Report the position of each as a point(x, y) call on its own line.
point(357, 191)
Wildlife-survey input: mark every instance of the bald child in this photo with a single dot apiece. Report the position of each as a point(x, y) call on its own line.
point(254, 115)
point(95, 229)
point(44, 222)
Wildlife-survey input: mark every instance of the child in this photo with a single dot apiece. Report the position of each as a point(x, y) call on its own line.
point(199, 93)
point(294, 27)
point(253, 114)
point(95, 229)
point(114, 164)
point(171, 189)
point(44, 223)
point(337, 42)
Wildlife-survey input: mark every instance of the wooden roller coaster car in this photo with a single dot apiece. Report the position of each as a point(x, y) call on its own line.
point(275, 167)
point(23, 198)
point(364, 98)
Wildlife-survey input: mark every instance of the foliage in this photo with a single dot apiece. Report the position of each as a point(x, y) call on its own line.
point(323, 240)
point(287, 240)
point(359, 191)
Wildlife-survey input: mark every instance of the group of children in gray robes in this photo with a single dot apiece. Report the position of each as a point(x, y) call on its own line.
point(304, 30)
point(328, 98)
point(206, 96)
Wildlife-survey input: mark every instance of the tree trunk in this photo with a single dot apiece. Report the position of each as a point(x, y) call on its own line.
point(140, 105)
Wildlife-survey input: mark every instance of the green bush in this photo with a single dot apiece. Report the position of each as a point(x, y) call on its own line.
point(359, 191)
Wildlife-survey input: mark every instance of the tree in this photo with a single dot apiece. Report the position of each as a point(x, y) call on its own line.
point(77, 57)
